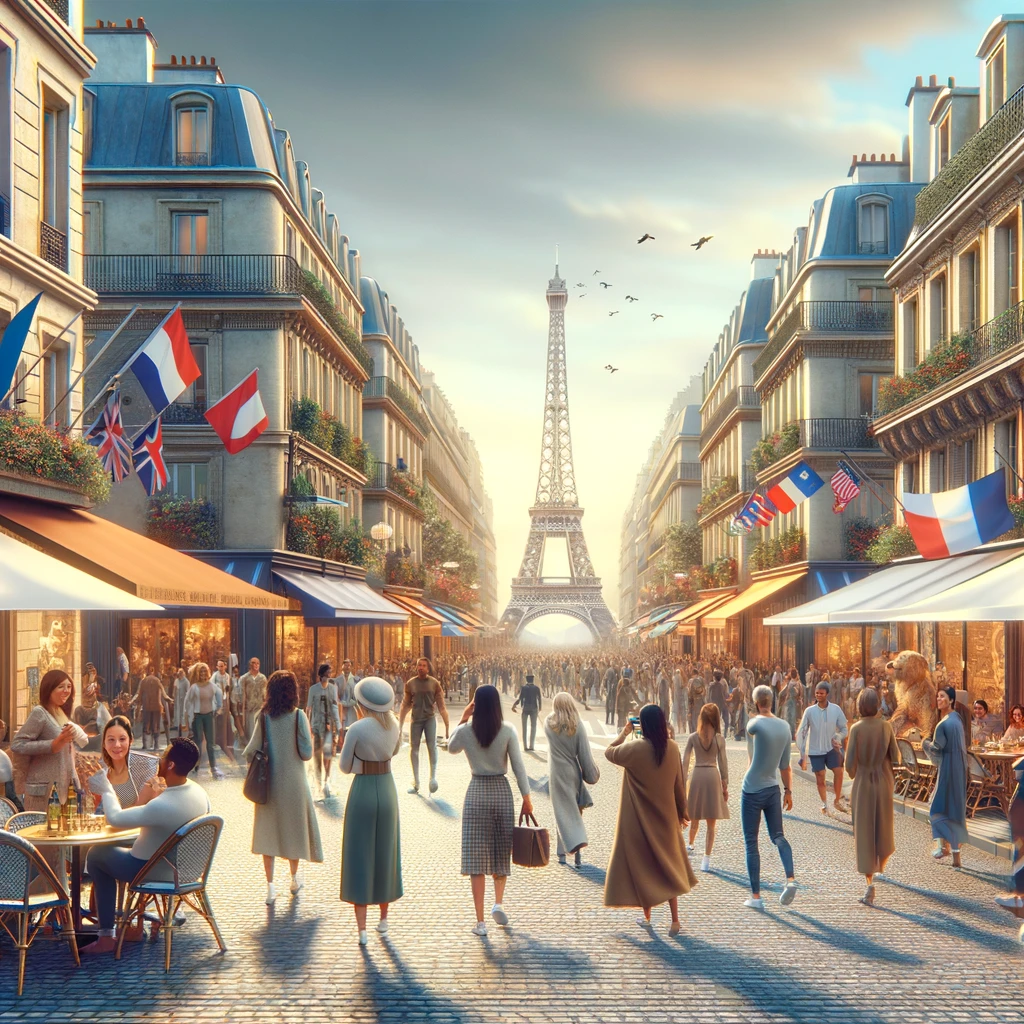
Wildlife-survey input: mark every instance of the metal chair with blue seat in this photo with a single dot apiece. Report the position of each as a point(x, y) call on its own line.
point(177, 873)
point(25, 819)
point(22, 868)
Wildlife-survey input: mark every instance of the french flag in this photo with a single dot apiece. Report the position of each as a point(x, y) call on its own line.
point(948, 522)
point(798, 486)
point(165, 366)
point(239, 417)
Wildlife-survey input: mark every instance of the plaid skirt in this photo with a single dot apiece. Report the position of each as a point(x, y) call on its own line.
point(488, 815)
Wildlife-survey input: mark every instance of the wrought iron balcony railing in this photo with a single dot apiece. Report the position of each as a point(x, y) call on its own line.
point(184, 413)
point(826, 316)
point(53, 246)
point(743, 397)
point(829, 432)
point(977, 153)
point(192, 159)
point(5, 214)
point(384, 477)
point(685, 472)
point(385, 387)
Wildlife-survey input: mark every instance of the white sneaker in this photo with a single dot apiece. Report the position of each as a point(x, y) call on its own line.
point(479, 928)
point(499, 915)
point(754, 902)
point(297, 881)
point(788, 894)
point(705, 864)
point(271, 894)
point(362, 939)
point(327, 791)
point(382, 925)
point(1011, 902)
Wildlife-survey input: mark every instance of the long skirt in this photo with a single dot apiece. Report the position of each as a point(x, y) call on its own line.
point(487, 821)
point(371, 847)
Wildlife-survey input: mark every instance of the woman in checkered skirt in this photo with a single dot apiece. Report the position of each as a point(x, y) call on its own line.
point(488, 811)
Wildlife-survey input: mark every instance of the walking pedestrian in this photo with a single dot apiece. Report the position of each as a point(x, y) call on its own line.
point(371, 847)
point(202, 703)
point(611, 685)
point(225, 733)
point(286, 825)
point(708, 796)
point(123, 671)
point(680, 703)
point(488, 811)
point(179, 692)
point(947, 750)
point(625, 699)
point(424, 700)
point(570, 769)
point(254, 695)
point(820, 736)
point(791, 699)
point(1014, 901)
point(664, 692)
point(153, 701)
point(648, 864)
point(870, 756)
point(696, 689)
point(324, 725)
point(718, 694)
point(530, 700)
point(768, 746)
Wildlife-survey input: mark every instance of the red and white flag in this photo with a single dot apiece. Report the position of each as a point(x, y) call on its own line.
point(239, 417)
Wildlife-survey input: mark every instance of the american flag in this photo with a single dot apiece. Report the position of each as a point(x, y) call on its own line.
point(148, 457)
point(107, 435)
point(845, 486)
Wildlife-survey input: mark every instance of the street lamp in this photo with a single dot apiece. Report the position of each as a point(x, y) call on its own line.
point(450, 565)
point(381, 531)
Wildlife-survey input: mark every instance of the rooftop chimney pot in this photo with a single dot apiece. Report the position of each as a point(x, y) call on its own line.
point(933, 80)
point(99, 23)
point(141, 23)
point(202, 60)
point(128, 23)
point(952, 81)
point(192, 59)
point(920, 82)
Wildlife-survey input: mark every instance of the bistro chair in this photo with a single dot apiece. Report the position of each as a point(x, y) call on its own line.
point(983, 789)
point(25, 819)
point(176, 874)
point(21, 870)
point(7, 811)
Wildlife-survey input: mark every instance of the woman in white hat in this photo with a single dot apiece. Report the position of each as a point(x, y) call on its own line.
point(371, 849)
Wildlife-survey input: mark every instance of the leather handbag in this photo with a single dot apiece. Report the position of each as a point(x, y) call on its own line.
point(257, 779)
point(531, 844)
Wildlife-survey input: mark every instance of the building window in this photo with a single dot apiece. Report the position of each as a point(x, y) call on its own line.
point(869, 393)
point(54, 381)
point(88, 111)
point(910, 476)
point(191, 233)
point(192, 136)
point(92, 228)
point(970, 288)
point(289, 240)
point(937, 471)
point(195, 393)
point(1007, 269)
point(910, 340)
point(943, 154)
point(937, 311)
point(54, 168)
point(995, 81)
point(189, 480)
point(873, 227)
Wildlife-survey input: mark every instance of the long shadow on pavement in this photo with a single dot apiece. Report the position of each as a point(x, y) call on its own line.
point(755, 981)
point(592, 873)
point(285, 931)
point(958, 904)
point(442, 807)
point(821, 823)
point(398, 994)
point(956, 927)
point(521, 953)
point(844, 940)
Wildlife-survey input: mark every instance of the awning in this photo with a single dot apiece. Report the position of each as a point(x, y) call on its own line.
point(127, 560)
point(659, 614)
point(349, 601)
point(417, 608)
point(701, 608)
point(662, 629)
point(994, 596)
point(451, 630)
point(886, 594)
point(33, 581)
point(469, 618)
point(756, 592)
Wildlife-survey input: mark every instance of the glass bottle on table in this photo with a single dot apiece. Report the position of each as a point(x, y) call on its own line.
point(53, 810)
point(69, 806)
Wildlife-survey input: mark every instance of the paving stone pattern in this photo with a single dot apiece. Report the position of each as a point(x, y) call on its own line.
point(934, 949)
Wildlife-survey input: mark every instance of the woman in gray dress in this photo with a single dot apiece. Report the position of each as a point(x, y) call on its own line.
point(947, 750)
point(570, 764)
point(285, 826)
point(371, 847)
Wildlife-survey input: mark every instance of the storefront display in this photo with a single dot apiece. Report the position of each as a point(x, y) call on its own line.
point(836, 648)
point(46, 640)
point(986, 664)
point(949, 649)
point(155, 648)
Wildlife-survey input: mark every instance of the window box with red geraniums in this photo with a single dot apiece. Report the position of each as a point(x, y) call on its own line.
point(185, 523)
point(940, 365)
point(860, 535)
point(403, 484)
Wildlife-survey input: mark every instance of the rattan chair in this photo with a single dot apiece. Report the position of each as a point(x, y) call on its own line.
point(912, 767)
point(22, 867)
point(983, 789)
point(25, 819)
point(7, 811)
point(176, 874)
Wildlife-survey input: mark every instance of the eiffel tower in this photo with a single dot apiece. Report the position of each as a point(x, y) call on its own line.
point(556, 514)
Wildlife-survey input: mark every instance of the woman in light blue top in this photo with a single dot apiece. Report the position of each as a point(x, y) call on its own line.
point(947, 750)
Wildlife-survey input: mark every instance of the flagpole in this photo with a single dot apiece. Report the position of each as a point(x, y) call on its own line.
point(872, 484)
point(106, 387)
point(1002, 458)
point(18, 382)
point(95, 359)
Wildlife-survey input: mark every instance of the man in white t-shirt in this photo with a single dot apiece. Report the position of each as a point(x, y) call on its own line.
point(821, 737)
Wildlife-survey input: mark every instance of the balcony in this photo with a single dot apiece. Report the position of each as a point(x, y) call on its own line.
point(192, 159)
point(836, 433)
point(977, 153)
point(825, 317)
point(5, 215)
point(53, 246)
point(236, 275)
point(384, 477)
point(184, 413)
point(743, 397)
point(60, 8)
point(684, 472)
point(386, 388)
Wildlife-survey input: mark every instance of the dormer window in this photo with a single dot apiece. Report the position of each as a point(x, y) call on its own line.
point(192, 134)
point(943, 140)
point(873, 226)
point(995, 81)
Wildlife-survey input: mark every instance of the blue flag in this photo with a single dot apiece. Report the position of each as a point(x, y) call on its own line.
point(13, 342)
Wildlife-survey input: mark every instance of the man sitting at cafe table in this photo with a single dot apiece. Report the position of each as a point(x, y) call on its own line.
point(174, 800)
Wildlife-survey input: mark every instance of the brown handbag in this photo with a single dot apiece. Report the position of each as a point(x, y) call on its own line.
point(531, 845)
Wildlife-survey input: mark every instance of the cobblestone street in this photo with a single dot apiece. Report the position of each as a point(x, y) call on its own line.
point(916, 957)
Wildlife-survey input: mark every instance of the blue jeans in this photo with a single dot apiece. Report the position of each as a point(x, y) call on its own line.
point(751, 805)
point(108, 865)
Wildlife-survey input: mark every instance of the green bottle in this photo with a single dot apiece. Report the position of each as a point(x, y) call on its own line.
point(53, 810)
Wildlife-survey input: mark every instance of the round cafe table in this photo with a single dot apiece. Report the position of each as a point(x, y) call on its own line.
point(1000, 764)
point(106, 835)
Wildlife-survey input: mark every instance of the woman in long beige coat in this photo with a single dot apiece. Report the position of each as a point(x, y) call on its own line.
point(871, 753)
point(648, 864)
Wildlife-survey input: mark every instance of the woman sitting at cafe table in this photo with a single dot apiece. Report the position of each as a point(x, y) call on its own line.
point(1015, 731)
point(172, 800)
point(128, 770)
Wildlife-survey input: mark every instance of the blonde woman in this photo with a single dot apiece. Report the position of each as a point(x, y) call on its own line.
point(570, 765)
point(708, 797)
point(203, 702)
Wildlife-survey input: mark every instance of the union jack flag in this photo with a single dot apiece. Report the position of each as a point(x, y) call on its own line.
point(845, 486)
point(148, 458)
point(107, 435)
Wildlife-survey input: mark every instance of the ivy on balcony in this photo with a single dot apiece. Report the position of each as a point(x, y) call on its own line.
point(322, 300)
point(785, 549)
point(39, 452)
point(893, 541)
point(721, 573)
point(330, 435)
point(939, 366)
point(317, 530)
point(186, 523)
point(712, 498)
point(775, 446)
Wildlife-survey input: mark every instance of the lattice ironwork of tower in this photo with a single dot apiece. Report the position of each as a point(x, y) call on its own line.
point(556, 516)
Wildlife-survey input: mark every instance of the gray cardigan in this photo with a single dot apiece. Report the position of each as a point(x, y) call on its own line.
point(492, 760)
point(35, 740)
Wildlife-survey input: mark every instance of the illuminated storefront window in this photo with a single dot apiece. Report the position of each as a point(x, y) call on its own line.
point(155, 648)
point(950, 651)
point(46, 640)
point(206, 640)
point(836, 648)
point(986, 664)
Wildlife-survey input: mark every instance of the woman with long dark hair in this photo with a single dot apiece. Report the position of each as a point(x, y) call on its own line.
point(708, 796)
point(128, 770)
point(947, 750)
point(648, 865)
point(488, 812)
point(286, 825)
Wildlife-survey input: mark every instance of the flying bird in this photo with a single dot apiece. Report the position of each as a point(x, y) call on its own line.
point(657, 316)
point(607, 366)
point(631, 298)
point(595, 273)
point(612, 369)
point(603, 285)
point(645, 238)
point(613, 312)
point(703, 240)
point(580, 284)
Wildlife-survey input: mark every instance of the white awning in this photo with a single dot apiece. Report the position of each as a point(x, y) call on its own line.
point(887, 594)
point(32, 581)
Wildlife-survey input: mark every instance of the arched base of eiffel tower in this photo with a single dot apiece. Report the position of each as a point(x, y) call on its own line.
point(534, 602)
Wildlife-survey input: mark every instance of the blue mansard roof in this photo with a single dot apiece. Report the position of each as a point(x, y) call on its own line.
point(832, 231)
point(757, 309)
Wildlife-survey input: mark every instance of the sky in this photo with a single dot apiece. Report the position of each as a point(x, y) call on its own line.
point(458, 141)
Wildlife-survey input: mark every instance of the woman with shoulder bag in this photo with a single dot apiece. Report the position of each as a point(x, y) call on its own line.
point(286, 825)
point(488, 812)
point(570, 767)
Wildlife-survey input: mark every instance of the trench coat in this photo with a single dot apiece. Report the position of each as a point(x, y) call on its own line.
point(871, 752)
point(569, 763)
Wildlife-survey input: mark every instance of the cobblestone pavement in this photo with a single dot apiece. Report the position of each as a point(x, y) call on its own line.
point(934, 949)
